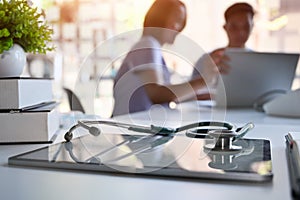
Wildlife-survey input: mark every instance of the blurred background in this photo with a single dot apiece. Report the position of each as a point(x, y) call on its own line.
point(80, 26)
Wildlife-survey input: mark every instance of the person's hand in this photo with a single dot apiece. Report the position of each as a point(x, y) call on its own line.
point(205, 96)
point(219, 58)
point(214, 63)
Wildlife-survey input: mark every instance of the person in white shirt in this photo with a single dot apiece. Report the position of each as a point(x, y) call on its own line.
point(238, 26)
point(143, 78)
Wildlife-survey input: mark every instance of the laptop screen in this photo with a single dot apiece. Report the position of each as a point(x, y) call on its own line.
point(253, 75)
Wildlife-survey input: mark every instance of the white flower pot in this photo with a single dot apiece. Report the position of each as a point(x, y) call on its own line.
point(12, 62)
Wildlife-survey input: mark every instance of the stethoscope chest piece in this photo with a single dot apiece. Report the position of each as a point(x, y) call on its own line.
point(222, 142)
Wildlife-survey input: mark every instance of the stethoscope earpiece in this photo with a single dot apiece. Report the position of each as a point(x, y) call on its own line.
point(68, 136)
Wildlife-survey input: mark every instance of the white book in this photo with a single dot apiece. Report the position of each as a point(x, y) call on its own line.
point(17, 93)
point(38, 125)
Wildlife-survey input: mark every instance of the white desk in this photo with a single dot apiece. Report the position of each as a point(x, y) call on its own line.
point(34, 183)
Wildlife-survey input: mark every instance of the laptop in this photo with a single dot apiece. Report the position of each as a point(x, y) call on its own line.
point(253, 76)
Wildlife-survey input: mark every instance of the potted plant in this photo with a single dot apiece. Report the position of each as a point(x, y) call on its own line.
point(22, 29)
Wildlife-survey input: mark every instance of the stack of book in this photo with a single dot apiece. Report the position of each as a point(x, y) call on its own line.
point(28, 112)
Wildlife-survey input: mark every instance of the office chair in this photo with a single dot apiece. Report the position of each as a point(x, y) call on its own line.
point(74, 101)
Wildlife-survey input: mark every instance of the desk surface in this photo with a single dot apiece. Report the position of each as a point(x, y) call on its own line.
point(34, 183)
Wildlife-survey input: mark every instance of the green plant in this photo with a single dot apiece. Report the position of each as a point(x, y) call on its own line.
point(23, 24)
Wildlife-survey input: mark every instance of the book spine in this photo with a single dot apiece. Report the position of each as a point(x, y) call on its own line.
point(9, 89)
point(19, 93)
point(28, 127)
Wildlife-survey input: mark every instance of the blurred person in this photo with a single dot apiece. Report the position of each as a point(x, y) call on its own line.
point(143, 78)
point(238, 27)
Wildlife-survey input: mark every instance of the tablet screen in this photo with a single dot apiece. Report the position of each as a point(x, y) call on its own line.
point(178, 156)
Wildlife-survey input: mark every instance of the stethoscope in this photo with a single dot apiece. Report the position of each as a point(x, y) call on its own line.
point(223, 133)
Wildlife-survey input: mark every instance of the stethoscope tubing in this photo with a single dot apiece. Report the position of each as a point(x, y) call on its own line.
point(154, 129)
point(159, 130)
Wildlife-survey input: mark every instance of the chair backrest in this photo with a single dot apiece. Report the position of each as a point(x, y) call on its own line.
point(74, 101)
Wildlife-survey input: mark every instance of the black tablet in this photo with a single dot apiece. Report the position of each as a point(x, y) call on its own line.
point(177, 156)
